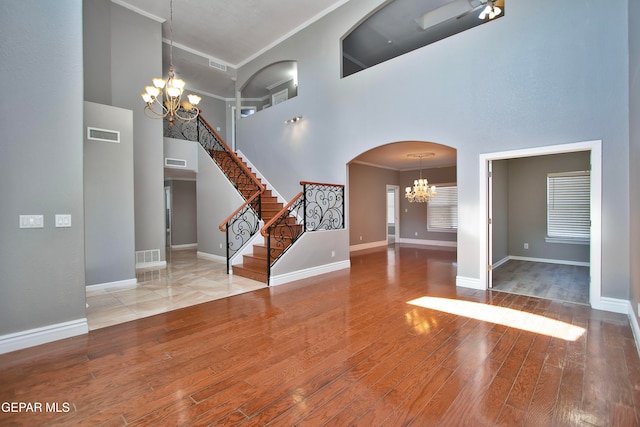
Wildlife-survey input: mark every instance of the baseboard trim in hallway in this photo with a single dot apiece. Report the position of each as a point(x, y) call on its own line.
point(32, 337)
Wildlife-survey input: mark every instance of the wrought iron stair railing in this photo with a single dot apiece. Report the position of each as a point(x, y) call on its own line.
point(244, 222)
point(318, 207)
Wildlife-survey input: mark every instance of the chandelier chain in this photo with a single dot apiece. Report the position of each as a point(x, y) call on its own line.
point(173, 108)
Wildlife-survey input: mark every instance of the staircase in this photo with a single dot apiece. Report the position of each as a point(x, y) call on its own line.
point(254, 266)
point(318, 207)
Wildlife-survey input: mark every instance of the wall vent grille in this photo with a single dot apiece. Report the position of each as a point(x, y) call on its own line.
point(147, 258)
point(104, 135)
point(217, 65)
point(175, 163)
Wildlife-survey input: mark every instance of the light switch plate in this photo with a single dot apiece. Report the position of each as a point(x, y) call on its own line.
point(31, 221)
point(63, 220)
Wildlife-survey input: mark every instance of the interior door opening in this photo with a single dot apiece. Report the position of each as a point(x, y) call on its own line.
point(538, 269)
point(393, 214)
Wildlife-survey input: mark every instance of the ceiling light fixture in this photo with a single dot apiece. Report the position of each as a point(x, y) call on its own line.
point(420, 192)
point(173, 107)
point(491, 10)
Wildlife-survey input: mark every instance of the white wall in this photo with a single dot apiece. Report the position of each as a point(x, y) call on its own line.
point(529, 79)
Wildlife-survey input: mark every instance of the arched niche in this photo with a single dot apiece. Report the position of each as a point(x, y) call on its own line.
point(273, 84)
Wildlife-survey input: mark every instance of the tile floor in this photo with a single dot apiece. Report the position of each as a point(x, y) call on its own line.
point(544, 280)
point(187, 280)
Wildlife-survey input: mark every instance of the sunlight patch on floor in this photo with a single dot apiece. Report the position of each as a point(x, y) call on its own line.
point(503, 316)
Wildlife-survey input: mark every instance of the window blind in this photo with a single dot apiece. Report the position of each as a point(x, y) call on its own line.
point(568, 205)
point(442, 210)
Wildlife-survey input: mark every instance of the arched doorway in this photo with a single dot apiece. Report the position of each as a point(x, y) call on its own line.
point(398, 165)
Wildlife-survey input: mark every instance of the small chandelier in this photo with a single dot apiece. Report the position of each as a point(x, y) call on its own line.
point(420, 192)
point(173, 107)
point(491, 10)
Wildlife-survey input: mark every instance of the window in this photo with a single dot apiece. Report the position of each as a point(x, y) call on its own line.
point(568, 207)
point(442, 210)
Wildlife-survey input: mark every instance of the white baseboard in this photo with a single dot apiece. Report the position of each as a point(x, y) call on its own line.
point(445, 243)
point(635, 328)
point(499, 263)
point(469, 282)
point(184, 247)
point(549, 261)
point(309, 272)
point(129, 283)
point(149, 265)
point(613, 305)
point(369, 245)
point(45, 334)
point(212, 257)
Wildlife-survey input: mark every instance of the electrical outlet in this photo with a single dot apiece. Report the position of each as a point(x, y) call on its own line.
point(63, 220)
point(360, 237)
point(526, 246)
point(333, 254)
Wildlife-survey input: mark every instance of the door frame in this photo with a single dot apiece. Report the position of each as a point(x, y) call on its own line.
point(595, 254)
point(396, 208)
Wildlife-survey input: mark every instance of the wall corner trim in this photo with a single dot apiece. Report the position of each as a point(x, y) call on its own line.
point(211, 257)
point(309, 272)
point(613, 305)
point(43, 335)
point(128, 283)
point(469, 282)
point(635, 327)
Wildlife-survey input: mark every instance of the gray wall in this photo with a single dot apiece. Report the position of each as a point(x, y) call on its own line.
point(215, 111)
point(108, 197)
point(528, 206)
point(96, 53)
point(133, 54)
point(634, 155)
point(500, 210)
point(184, 230)
point(555, 78)
point(183, 150)
point(368, 202)
point(217, 199)
point(413, 216)
point(41, 270)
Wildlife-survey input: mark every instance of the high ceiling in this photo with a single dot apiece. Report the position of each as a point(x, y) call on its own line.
point(231, 33)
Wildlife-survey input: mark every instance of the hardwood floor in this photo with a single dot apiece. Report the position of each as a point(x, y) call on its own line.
point(545, 280)
point(390, 342)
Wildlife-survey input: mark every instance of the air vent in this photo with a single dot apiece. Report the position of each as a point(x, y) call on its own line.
point(217, 65)
point(175, 163)
point(104, 135)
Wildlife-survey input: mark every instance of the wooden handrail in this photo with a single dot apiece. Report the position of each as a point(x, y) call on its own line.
point(320, 183)
point(264, 230)
point(223, 225)
point(234, 155)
